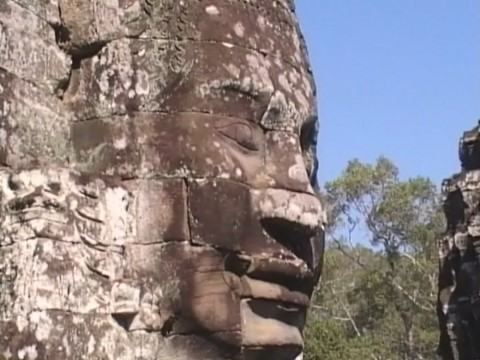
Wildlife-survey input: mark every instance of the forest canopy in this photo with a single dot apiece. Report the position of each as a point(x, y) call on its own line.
point(377, 296)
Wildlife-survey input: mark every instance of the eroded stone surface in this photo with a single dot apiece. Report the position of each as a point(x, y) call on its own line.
point(459, 250)
point(157, 167)
point(34, 127)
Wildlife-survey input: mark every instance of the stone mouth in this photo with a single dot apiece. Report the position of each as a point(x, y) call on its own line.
point(267, 277)
point(275, 295)
point(250, 288)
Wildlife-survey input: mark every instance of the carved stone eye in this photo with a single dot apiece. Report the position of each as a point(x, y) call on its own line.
point(242, 134)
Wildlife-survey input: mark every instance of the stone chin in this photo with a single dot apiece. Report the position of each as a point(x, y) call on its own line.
point(253, 306)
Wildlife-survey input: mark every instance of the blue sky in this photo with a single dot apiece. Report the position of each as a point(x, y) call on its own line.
point(399, 78)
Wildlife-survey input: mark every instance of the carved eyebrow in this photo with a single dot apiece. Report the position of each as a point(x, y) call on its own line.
point(228, 121)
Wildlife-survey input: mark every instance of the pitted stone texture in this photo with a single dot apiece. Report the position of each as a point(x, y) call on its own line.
point(86, 23)
point(269, 28)
point(240, 228)
point(43, 10)
point(258, 324)
point(157, 190)
point(67, 235)
point(132, 75)
point(286, 163)
point(82, 248)
point(61, 205)
point(34, 128)
point(34, 125)
point(195, 145)
point(27, 47)
point(469, 149)
point(63, 335)
point(459, 252)
point(37, 17)
point(135, 304)
point(181, 145)
point(461, 195)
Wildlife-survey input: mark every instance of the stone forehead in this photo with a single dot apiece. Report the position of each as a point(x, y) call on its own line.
point(269, 28)
point(234, 58)
point(132, 76)
point(263, 26)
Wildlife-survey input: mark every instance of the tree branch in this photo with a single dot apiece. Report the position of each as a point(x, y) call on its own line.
point(347, 312)
point(427, 308)
point(340, 247)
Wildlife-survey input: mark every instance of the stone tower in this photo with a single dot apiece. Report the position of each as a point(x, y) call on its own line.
point(459, 270)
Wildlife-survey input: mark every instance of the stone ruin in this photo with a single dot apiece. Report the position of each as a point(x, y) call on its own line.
point(157, 176)
point(459, 273)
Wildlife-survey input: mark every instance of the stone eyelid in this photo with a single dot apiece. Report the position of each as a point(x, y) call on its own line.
point(242, 134)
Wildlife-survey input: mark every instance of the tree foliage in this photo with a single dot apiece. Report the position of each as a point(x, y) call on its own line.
point(378, 292)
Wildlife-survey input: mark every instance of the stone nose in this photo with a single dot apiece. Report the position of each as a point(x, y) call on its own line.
point(302, 210)
point(295, 220)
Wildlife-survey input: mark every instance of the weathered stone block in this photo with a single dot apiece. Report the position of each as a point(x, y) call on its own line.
point(31, 53)
point(34, 129)
point(234, 228)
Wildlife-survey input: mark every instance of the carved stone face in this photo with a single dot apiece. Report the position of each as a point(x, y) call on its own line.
point(184, 219)
point(256, 230)
point(229, 145)
point(242, 241)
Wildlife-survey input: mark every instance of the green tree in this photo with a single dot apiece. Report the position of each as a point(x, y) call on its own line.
point(380, 277)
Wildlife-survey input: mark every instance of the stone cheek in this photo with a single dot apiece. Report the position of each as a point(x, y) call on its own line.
point(285, 163)
point(240, 229)
point(183, 145)
point(102, 251)
point(161, 211)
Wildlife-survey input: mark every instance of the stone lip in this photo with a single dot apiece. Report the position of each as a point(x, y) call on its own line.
point(291, 280)
point(275, 297)
point(271, 323)
point(247, 287)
